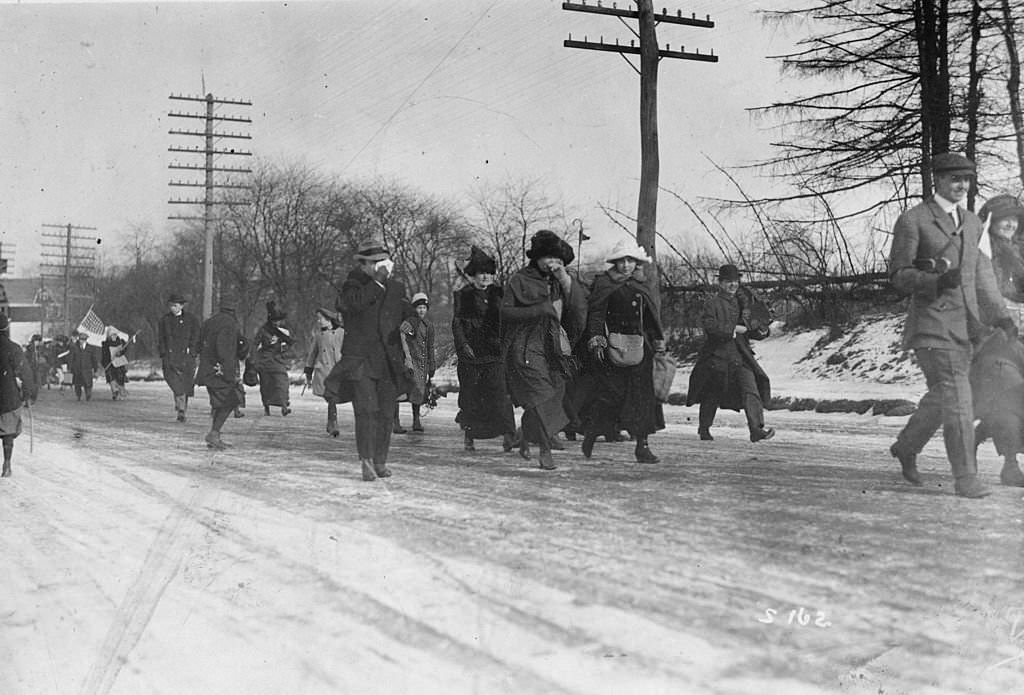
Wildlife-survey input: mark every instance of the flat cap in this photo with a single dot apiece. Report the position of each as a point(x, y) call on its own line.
point(952, 163)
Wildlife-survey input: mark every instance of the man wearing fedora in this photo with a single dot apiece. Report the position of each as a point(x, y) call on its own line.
point(953, 298)
point(372, 370)
point(726, 374)
point(178, 346)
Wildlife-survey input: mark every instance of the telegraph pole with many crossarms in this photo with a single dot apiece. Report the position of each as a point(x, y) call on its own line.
point(209, 151)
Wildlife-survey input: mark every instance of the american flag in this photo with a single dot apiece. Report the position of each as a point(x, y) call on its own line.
point(93, 326)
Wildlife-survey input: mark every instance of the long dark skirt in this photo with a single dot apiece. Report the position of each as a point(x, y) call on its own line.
point(544, 420)
point(623, 398)
point(485, 409)
point(274, 385)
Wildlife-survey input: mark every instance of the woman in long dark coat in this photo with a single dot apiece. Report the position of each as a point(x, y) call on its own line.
point(726, 374)
point(273, 346)
point(485, 409)
point(12, 368)
point(621, 303)
point(543, 313)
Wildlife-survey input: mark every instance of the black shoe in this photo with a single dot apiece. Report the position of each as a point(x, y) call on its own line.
point(332, 428)
point(213, 441)
point(398, 429)
point(6, 473)
point(468, 443)
point(181, 416)
point(763, 433)
point(285, 410)
point(546, 462)
point(266, 410)
point(909, 464)
point(644, 454)
point(417, 426)
point(239, 413)
point(705, 435)
point(587, 447)
point(524, 447)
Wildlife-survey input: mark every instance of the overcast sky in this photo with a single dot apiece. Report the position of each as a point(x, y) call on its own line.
point(439, 94)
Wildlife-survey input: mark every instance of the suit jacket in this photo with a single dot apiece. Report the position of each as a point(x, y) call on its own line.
point(83, 362)
point(178, 339)
point(372, 347)
point(950, 318)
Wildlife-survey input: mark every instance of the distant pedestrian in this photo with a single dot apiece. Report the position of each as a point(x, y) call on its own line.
point(726, 374)
point(543, 314)
point(418, 345)
point(114, 360)
point(83, 363)
point(324, 352)
point(178, 346)
point(371, 373)
point(953, 295)
point(17, 389)
point(485, 409)
point(37, 357)
point(272, 347)
point(624, 332)
point(218, 368)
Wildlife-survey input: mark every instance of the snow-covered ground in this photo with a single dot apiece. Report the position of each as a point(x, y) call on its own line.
point(135, 561)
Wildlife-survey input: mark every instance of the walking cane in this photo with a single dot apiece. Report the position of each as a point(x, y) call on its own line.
point(31, 429)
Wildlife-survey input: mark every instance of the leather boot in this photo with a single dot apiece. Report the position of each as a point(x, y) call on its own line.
point(546, 461)
point(643, 453)
point(970, 487)
point(556, 445)
point(7, 470)
point(1011, 474)
point(908, 462)
point(587, 447)
point(705, 434)
point(332, 427)
point(468, 443)
point(524, 446)
point(381, 470)
point(213, 441)
point(508, 442)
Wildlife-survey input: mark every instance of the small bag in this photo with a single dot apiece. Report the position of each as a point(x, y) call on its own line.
point(625, 349)
point(250, 377)
point(664, 372)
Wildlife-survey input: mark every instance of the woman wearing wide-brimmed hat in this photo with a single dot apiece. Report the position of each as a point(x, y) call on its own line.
point(178, 346)
point(1004, 217)
point(543, 313)
point(622, 304)
point(324, 352)
point(485, 409)
point(273, 348)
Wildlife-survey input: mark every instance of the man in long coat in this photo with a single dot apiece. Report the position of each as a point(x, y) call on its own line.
point(726, 374)
point(543, 314)
point(953, 295)
point(372, 370)
point(178, 346)
point(83, 363)
point(218, 368)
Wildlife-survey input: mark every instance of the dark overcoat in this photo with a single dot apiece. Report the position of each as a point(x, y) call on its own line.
point(536, 366)
point(723, 354)
point(485, 409)
point(178, 347)
point(14, 367)
point(953, 317)
point(623, 397)
point(83, 363)
point(218, 358)
point(272, 347)
point(373, 349)
point(997, 387)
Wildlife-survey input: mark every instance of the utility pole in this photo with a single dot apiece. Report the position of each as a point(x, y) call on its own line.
point(650, 54)
point(77, 254)
point(209, 151)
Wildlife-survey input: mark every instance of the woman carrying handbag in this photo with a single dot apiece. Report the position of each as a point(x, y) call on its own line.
point(624, 334)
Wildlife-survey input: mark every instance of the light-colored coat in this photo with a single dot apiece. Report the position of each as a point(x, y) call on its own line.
point(949, 318)
point(324, 353)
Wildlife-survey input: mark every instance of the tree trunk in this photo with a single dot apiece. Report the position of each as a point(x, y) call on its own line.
point(1013, 84)
point(973, 98)
point(930, 29)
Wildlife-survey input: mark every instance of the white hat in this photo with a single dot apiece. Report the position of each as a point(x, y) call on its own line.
point(628, 249)
point(420, 298)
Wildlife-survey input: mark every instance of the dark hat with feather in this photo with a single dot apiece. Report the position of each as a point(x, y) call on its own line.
point(479, 262)
point(547, 243)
